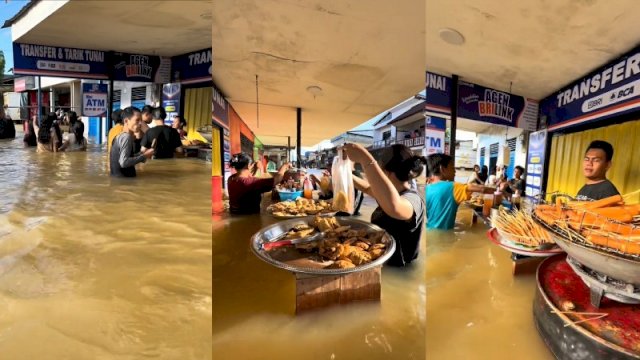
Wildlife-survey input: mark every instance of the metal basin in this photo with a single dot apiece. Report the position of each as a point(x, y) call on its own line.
point(617, 266)
point(273, 231)
point(614, 266)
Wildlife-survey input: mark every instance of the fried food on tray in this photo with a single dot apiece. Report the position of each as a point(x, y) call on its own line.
point(300, 207)
point(345, 246)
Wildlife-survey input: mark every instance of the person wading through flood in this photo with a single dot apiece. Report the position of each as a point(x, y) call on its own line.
point(164, 139)
point(147, 119)
point(245, 189)
point(123, 155)
point(400, 210)
point(597, 161)
point(49, 136)
point(443, 195)
point(116, 118)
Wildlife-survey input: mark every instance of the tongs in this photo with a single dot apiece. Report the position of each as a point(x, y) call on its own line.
point(279, 243)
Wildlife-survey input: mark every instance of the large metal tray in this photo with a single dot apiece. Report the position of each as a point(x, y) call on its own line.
point(273, 231)
point(617, 266)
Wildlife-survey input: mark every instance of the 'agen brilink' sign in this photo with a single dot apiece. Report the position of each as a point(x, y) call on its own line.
point(141, 68)
point(192, 67)
point(29, 59)
point(611, 90)
point(479, 103)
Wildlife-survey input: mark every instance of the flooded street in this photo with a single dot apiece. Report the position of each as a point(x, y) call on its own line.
point(476, 308)
point(254, 307)
point(99, 268)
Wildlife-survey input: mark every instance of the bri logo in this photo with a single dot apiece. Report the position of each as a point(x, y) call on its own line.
point(139, 67)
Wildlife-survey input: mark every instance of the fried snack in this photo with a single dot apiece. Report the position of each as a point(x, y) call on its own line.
point(341, 202)
point(376, 253)
point(341, 264)
point(362, 245)
point(359, 256)
point(325, 224)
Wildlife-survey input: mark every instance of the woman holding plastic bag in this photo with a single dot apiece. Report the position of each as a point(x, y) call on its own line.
point(400, 209)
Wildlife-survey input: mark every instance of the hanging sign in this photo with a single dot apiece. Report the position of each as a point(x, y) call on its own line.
point(535, 162)
point(30, 59)
point(192, 68)
point(479, 103)
point(171, 101)
point(610, 91)
point(141, 68)
point(435, 129)
point(94, 100)
point(438, 95)
point(220, 109)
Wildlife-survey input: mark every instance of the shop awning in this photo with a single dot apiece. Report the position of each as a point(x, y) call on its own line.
point(164, 28)
point(365, 56)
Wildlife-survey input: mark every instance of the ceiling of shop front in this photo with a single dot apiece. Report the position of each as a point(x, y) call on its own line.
point(367, 56)
point(165, 28)
point(540, 46)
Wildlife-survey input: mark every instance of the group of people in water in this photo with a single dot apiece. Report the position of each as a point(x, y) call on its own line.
point(55, 132)
point(402, 211)
point(136, 135)
point(139, 135)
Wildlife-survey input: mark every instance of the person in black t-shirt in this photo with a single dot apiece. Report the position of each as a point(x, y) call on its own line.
point(164, 139)
point(597, 161)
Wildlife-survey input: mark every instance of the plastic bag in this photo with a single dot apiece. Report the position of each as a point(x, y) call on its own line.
point(343, 188)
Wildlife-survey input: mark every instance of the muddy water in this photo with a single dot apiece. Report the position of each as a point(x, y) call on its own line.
point(476, 308)
point(97, 268)
point(254, 305)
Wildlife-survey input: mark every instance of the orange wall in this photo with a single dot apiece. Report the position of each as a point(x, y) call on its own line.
point(237, 127)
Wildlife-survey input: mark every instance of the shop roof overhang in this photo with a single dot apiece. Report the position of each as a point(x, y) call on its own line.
point(164, 28)
point(540, 46)
point(366, 56)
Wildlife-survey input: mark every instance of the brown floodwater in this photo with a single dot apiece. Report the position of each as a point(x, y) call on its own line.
point(254, 307)
point(99, 268)
point(476, 308)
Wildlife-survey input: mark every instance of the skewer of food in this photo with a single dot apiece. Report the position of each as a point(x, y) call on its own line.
point(519, 227)
point(609, 222)
point(343, 246)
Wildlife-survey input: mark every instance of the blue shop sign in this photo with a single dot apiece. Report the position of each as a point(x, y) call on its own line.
point(43, 60)
point(610, 91)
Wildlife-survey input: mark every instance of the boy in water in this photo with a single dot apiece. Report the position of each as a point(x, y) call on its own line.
point(443, 195)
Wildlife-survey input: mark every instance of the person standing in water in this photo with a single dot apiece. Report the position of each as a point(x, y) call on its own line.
point(400, 210)
point(147, 119)
point(597, 161)
point(49, 136)
point(443, 195)
point(245, 189)
point(123, 156)
point(163, 138)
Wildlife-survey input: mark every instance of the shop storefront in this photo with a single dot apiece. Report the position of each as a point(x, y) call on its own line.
point(604, 105)
point(192, 85)
point(501, 121)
